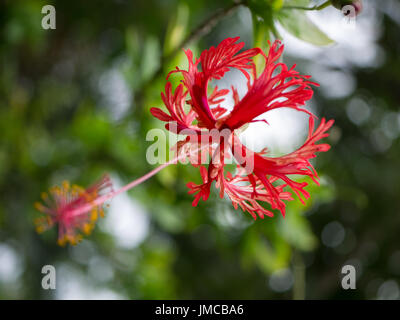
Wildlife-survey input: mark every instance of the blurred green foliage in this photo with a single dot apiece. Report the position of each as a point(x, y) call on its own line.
point(63, 115)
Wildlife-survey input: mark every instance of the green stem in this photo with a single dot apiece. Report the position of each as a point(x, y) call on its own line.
point(299, 287)
point(204, 28)
point(197, 33)
point(319, 7)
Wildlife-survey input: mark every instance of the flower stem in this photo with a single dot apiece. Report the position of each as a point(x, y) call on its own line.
point(99, 201)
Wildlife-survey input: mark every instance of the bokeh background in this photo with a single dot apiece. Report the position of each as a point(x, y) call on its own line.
point(74, 103)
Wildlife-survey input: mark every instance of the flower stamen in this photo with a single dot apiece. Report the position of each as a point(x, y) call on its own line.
point(61, 206)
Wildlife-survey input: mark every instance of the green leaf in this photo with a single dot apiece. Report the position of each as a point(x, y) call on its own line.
point(296, 229)
point(177, 29)
point(298, 24)
point(277, 4)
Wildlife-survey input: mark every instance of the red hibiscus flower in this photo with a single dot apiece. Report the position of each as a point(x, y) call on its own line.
point(258, 178)
point(211, 131)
